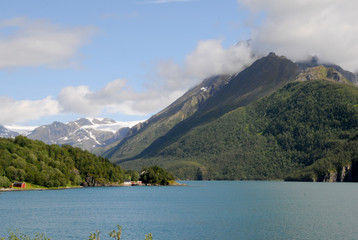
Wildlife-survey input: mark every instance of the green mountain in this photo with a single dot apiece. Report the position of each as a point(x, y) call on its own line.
point(212, 98)
point(274, 120)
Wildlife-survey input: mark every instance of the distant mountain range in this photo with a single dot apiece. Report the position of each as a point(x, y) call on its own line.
point(275, 119)
point(7, 133)
point(86, 133)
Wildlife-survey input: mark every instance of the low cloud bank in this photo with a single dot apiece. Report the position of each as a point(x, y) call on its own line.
point(13, 111)
point(302, 28)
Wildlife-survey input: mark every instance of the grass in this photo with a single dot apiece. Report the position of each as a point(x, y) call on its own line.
point(31, 186)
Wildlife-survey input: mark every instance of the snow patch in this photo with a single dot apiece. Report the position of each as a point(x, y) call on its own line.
point(94, 138)
point(111, 127)
point(22, 130)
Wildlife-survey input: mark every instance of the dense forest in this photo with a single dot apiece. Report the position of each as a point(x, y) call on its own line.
point(155, 175)
point(22, 159)
point(304, 131)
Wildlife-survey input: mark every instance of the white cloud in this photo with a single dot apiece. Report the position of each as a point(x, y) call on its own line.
point(209, 58)
point(295, 28)
point(25, 110)
point(170, 81)
point(302, 28)
point(115, 97)
point(75, 100)
point(26, 42)
point(41, 43)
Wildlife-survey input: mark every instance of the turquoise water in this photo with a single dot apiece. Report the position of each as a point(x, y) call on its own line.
point(202, 210)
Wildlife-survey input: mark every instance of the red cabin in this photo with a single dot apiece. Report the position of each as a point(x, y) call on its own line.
point(19, 185)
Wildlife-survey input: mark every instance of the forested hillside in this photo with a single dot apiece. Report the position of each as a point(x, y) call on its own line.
point(22, 159)
point(305, 131)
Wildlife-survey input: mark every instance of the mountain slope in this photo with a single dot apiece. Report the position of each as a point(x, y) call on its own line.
point(143, 134)
point(261, 78)
point(273, 120)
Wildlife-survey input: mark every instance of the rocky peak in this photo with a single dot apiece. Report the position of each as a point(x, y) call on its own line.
point(83, 122)
point(321, 73)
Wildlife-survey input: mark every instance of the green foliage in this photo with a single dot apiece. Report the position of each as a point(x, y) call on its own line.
point(94, 236)
point(339, 156)
point(116, 234)
point(149, 236)
point(308, 126)
point(20, 236)
point(155, 175)
point(132, 175)
point(4, 182)
point(22, 159)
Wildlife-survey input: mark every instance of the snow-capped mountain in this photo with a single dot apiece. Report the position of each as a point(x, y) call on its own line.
point(20, 130)
point(7, 133)
point(86, 133)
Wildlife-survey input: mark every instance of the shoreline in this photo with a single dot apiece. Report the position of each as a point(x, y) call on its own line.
point(35, 189)
point(74, 187)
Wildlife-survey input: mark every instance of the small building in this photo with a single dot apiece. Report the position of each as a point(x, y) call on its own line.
point(18, 185)
point(137, 183)
point(127, 182)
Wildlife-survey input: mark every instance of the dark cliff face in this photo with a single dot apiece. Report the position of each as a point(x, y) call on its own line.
point(258, 80)
point(347, 173)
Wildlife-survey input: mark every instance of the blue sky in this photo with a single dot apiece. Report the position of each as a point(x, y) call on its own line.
point(129, 59)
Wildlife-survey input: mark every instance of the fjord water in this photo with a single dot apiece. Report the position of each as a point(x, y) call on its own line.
point(201, 210)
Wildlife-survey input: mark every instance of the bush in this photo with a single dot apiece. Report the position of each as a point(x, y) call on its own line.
point(20, 236)
point(155, 175)
point(4, 182)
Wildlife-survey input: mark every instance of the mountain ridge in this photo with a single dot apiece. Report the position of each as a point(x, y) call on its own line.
point(163, 121)
point(86, 133)
point(225, 95)
point(265, 77)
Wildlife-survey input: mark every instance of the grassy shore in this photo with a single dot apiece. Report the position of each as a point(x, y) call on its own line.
point(30, 186)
